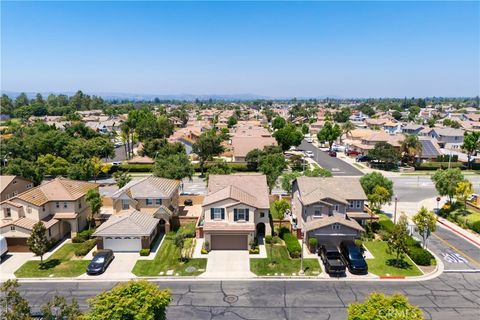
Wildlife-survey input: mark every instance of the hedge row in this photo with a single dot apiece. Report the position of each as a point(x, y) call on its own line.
point(236, 167)
point(83, 236)
point(457, 216)
point(293, 247)
point(85, 247)
point(187, 230)
point(136, 167)
point(439, 165)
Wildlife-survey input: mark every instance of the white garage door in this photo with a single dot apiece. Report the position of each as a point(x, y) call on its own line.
point(122, 243)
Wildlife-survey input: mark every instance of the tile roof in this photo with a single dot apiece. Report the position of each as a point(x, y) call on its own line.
point(251, 189)
point(130, 223)
point(342, 189)
point(59, 189)
point(243, 145)
point(149, 187)
point(28, 224)
point(326, 221)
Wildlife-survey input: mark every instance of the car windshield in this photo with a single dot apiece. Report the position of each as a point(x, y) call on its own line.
point(355, 255)
point(99, 259)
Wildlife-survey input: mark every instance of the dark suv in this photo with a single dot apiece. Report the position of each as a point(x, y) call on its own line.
point(353, 256)
point(332, 260)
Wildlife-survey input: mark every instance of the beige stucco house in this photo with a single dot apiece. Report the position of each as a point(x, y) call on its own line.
point(10, 186)
point(59, 203)
point(329, 209)
point(235, 211)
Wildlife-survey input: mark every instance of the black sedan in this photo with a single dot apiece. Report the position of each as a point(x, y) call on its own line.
point(100, 262)
point(353, 256)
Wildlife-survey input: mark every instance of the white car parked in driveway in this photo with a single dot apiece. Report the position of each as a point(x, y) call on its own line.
point(309, 154)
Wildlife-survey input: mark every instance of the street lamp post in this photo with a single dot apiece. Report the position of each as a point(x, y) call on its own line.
point(395, 210)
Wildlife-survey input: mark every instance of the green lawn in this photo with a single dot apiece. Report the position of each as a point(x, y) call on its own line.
point(382, 265)
point(279, 262)
point(62, 263)
point(168, 258)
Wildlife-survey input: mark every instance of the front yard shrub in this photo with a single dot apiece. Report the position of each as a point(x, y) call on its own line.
point(282, 231)
point(420, 256)
point(276, 240)
point(85, 247)
point(187, 230)
point(83, 236)
point(293, 247)
point(475, 226)
point(254, 251)
point(204, 251)
point(312, 242)
point(144, 252)
point(268, 239)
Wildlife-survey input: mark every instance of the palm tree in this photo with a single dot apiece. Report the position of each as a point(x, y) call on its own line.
point(125, 136)
point(347, 128)
point(411, 148)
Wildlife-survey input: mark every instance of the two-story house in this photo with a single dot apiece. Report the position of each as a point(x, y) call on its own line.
point(235, 211)
point(448, 138)
point(10, 186)
point(322, 207)
point(59, 203)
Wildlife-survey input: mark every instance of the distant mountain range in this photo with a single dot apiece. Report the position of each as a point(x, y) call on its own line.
point(186, 97)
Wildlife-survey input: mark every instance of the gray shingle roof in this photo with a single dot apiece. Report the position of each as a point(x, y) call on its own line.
point(326, 221)
point(149, 187)
point(131, 223)
point(342, 189)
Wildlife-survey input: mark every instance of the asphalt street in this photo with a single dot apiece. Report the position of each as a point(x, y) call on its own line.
point(448, 296)
point(335, 165)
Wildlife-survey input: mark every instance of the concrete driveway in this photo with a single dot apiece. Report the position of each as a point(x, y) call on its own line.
point(228, 264)
point(12, 262)
point(120, 268)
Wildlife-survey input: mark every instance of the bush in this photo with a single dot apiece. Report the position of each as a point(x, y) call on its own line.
point(282, 231)
point(204, 251)
point(293, 247)
point(276, 240)
point(438, 165)
point(268, 239)
point(85, 247)
point(236, 167)
point(136, 167)
point(187, 230)
point(475, 226)
point(144, 252)
point(254, 251)
point(83, 236)
point(312, 242)
point(386, 225)
point(413, 243)
point(420, 256)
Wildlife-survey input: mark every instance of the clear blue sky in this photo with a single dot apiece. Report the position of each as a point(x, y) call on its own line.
point(347, 49)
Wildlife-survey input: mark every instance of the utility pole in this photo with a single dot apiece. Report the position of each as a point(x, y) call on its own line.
point(301, 255)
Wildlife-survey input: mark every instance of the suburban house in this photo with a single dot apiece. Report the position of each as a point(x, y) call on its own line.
point(10, 186)
point(241, 146)
point(130, 230)
point(59, 203)
point(412, 128)
point(235, 211)
point(448, 138)
point(368, 142)
point(154, 196)
point(329, 209)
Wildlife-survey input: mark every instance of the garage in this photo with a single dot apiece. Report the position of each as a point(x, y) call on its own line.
point(125, 244)
point(17, 245)
point(229, 242)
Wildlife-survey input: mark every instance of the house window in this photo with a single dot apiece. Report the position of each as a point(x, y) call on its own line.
point(12, 228)
point(335, 226)
point(158, 201)
point(125, 204)
point(8, 212)
point(49, 232)
point(262, 214)
point(241, 214)
point(29, 209)
point(337, 207)
point(350, 204)
point(79, 204)
point(65, 205)
point(317, 212)
point(358, 204)
point(217, 213)
point(43, 208)
point(14, 181)
point(149, 201)
point(57, 204)
point(15, 193)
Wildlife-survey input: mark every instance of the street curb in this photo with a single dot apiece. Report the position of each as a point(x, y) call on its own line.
point(459, 233)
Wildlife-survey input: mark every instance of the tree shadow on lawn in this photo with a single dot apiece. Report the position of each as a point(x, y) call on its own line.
point(402, 264)
point(49, 264)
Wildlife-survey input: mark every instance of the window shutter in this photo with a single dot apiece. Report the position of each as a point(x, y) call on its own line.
point(235, 217)
point(246, 214)
point(223, 213)
point(211, 213)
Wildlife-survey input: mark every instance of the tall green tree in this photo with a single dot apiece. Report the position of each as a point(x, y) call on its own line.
point(446, 181)
point(463, 190)
point(378, 197)
point(471, 143)
point(59, 309)
point(99, 167)
point(385, 153)
point(14, 306)
point(208, 146)
point(94, 202)
point(131, 300)
point(121, 178)
point(378, 306)
point(398, 240)
point(329, 133)
point(272, 165)
point(288, 136)
point(347, 128)
point(173, 166)
point(38, 242)
point(371, 180)
point(278, 123)
point(232, 121)
point(426, 223)
point(411, 148)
